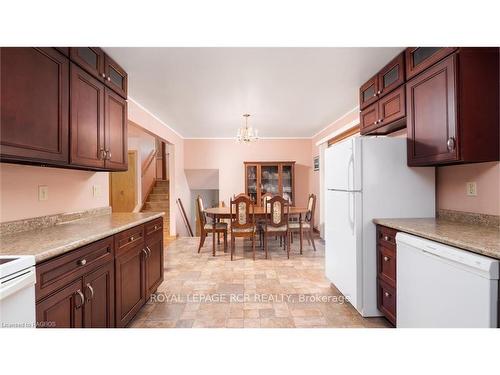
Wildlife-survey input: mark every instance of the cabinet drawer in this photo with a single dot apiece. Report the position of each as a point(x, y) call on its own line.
point(386, 300)
point(154, 227)
point(56, 273)
point(386, 237)
point(386, 265)
point(127, 239)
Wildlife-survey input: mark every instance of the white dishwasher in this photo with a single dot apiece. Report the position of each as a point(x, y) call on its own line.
point(439, 286)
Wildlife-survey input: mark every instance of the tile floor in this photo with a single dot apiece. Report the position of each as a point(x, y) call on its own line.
point(204, 291)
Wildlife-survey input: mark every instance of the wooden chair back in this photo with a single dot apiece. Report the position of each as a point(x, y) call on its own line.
point(277, 211)
point(244, 212)
point(201, 212)
point(311, 207)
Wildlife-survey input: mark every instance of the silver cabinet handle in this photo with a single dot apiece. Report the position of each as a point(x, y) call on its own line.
point(387, 294)
point(82, 262)
point(89, 287)
point(109, 78)
point(450, 144)
point(82, 298)
point(149, 251)
point(101, 154)
point(386, 238)
point(379, 92)
point(103, 75)
point(145, 252)
point(375, 94)
point(131, 238)
point(156, 227)
point(386, 259)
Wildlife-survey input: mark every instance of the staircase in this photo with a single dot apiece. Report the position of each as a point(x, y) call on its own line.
point(158, 201)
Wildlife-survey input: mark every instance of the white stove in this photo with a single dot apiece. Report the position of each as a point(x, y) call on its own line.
point(17, 291)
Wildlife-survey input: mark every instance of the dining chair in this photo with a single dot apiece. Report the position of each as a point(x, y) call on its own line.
point(305, 226)
point(243, 222)
point(206, 228)
point(277, 211)
point(264, 199)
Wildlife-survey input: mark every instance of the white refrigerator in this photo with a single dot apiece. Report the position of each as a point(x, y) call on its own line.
point(367, 178)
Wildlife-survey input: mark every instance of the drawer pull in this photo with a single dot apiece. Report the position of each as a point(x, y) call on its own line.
point(82, 262)
point(387, 294)
point(156, 227)
point(131, 238)
point(387, 238)
point(386, 259)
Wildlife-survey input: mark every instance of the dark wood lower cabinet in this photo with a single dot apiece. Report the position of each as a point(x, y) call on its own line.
point(130, 283)
point(103, 284)
point(63, 309)
point(99, 295)
point(386, 272)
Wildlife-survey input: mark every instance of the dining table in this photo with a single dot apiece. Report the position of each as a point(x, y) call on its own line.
point(219, 213)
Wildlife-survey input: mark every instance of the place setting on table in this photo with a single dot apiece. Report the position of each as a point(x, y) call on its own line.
point(274, 218)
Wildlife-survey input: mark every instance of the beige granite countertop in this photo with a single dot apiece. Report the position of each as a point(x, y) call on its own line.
point(480, 239)
point(46, 243)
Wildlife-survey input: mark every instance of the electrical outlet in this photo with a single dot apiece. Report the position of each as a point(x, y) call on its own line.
point(471, 189)
point(96, 190)
point(43, 193)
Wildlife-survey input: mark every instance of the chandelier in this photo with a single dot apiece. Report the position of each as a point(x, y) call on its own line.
point(247, 134)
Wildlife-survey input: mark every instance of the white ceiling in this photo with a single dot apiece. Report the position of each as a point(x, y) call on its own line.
point(290, 92)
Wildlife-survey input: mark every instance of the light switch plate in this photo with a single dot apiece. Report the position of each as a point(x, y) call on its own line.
point(471, 189)
point(43, 193)
point(96, 190)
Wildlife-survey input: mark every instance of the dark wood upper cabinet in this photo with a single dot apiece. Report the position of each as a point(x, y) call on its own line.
point(34, 102)
point(452, 107)
point(99, 287)
point(420, 58)
point(391, 76)
point(115, 77)
point(87, 120)
point(368, 92)
point(89, 58)
point(115, 120)
point(369, 118)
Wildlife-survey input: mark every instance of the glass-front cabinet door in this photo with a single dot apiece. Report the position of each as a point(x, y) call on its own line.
point(287, 182)
point(115, 77)
point(269, 179)
point(89, 58)
point(368, 93)
point(420, 58)
point(251, 182)
point(391, 76)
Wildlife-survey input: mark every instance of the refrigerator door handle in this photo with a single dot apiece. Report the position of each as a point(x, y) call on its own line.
point(350, 165)
point(349, 208)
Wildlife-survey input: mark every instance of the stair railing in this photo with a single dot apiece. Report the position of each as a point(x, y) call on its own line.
point(184, 217)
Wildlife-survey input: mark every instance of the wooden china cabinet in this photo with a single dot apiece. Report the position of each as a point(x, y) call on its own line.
point(270, 177)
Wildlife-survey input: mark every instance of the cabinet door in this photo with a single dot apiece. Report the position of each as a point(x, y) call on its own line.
point(391, 76)
point(252, 183)
point(420, 58)
point(34, 105)
point(63, 309)
point(269, 178)
point(368, 93)
point(431, 117)
point(287, 183)
point(86, 120)
point(392, 107)
point(369, 118)
point(154, 263)
point(100, 297)
point(89, 58)
point(115, 121)
point(115, 77)
point(130, 284)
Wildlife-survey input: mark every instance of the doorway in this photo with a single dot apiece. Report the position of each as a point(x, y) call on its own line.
point(123, 186)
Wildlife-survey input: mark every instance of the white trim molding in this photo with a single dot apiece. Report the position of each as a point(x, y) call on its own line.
point(338, 131)
point(340, 118)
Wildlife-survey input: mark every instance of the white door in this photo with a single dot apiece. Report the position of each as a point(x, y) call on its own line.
point(343, 165)
point(342, 242)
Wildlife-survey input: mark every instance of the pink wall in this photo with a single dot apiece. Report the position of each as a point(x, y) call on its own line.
point(451, 182)
point(69, 191)
point(228, 156)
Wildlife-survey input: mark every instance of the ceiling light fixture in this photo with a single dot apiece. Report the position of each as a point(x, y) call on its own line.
point(247, 134)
